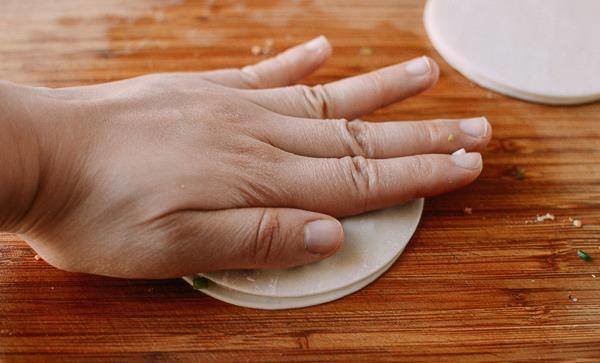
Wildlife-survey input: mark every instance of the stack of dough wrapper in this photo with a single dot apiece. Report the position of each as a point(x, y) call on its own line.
point(372, 243)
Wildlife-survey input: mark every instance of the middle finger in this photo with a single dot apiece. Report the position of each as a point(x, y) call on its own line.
point(376, 140)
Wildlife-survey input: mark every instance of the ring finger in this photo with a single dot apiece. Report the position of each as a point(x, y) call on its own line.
point(352, 185)
point(350, 97)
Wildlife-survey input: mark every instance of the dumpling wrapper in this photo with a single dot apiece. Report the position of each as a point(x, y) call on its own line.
point(372, 242)
point(543, 51)
point(274, 303)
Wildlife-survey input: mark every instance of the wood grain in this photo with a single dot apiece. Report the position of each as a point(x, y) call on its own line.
point(490, 286)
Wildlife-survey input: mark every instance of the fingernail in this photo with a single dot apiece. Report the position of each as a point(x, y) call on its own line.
point(467, 161)
point(477, 127)
point(418, 66)
point(460, 152)
point(316, 43)
point(322, 236)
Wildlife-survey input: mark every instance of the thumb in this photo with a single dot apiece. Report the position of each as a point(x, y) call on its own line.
point(202, 241)
point(272, 237)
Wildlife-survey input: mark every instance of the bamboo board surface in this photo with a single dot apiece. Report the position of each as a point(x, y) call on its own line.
point(491, 285)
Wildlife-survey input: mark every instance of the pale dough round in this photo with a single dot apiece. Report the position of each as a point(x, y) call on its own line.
point(372, 243)
point(545, 51)
point(274, 303)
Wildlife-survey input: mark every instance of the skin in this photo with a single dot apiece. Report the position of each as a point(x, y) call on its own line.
point(170, 174)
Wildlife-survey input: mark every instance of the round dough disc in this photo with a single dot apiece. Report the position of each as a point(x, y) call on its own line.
point(544, 51)
point(372, 242)
point(273, 303)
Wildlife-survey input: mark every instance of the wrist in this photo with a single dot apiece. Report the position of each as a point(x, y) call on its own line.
point(19, 156)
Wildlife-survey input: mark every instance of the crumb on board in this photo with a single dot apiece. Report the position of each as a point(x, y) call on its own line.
point(265, 49)
point(467, 210)
point(365, 51)
point(594, 276)
point(255, 50)
point(37, 257)
point(577, 223)
point(159, 17)
point(546, 216)
point(517, 172)
point(451, 137)
point(573, 298)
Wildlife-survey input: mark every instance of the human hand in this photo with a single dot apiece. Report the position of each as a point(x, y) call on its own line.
point(170, 174)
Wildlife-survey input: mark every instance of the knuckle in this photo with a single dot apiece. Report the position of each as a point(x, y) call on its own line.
point(357, 137)
point(159, 80)
point(268, 232)
point(317, 100)
point(256, 177)
point(429, 132)
point(422, 168)
point(250, 77)
point(362, 179)
point(152, 77)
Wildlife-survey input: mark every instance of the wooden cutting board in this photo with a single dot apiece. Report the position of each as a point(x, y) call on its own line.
point(491, 285)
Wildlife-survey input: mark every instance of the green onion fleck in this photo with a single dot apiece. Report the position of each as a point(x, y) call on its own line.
point(450, 137)
point(584, 256)
point(517, 173)
point(200, 283)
